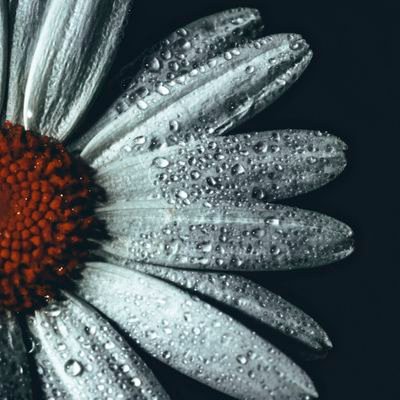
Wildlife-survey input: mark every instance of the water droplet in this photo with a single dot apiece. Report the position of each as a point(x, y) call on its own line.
point(275, 250)
point(241, 359)
point(142, 105)
point(154, 64)
point(163, 90)
point(73, 368)
point(205, 247)
point(139, 140)
point(250, 69)
point(160, 162)
point(174, 126)
point(182, 195)
point(136, 381)
point(195, 175)
point(109, 345)
point(238, 169)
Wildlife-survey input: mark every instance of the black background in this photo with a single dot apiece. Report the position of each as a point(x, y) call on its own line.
point(348, 90)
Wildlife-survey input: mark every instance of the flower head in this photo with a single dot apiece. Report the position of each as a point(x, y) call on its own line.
point(142, 220)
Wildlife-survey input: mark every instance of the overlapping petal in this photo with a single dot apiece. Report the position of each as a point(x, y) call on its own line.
point(261, 166)
point(15, 378)
point(26, 17)
point(207, 98)
point(84, 358)
point(247, 297)
point(227, 237)
point(193, 337)
point(75, 49)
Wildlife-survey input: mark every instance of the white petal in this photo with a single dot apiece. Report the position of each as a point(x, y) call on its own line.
point(3, 49)
point(211, 98)
point(246, 296)
point(191, 336)
point(224, 237)
point(26, 19)
point(75, 49)
point(15, 379)
point(84, 358)
point(208, 36)
point(264, 166)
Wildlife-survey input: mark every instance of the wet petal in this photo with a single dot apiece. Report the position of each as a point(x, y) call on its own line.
point(246, 296)
point(225, 237)
point(26, 20)
point(75, 49)
point(191, 336)
point(3, 49)
point(210, 98)
point(82, 357)
point(15, 381)
point(194, 44)
point(259, 166)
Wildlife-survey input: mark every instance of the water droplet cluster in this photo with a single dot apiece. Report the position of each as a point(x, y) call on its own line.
point(199, 340)
point(46, 201)
point(242, 237)
point(248, 297)
point(94, 361)
point(203, 79)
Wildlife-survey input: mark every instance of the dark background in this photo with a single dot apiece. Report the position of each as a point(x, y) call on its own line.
point(348, 90)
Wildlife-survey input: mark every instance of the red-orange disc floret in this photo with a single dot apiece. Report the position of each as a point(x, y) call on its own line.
point(47, 199)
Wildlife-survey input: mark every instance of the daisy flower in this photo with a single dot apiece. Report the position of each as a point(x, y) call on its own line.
point(133, 234)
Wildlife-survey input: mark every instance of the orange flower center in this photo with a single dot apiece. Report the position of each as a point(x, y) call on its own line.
point(47, 201)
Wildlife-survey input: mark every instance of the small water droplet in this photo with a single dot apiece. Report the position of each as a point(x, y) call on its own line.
point(250, 69)
point(160, 162)
point(241, 359)
point(163, 90)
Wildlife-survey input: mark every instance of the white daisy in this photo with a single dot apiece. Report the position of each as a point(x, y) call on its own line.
point(167, 210)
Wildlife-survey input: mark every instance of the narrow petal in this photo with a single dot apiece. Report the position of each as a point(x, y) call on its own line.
point(224, 238)
point(15, 379)
point(75, 49)
point(260, 166)
point(26, 20)
point(84, 358)
point(191, 336)
point(194, 44)
point(209, 98)
point(246, 296)
point(3, 49)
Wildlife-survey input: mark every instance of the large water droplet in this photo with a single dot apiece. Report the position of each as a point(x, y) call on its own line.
point(73, 368)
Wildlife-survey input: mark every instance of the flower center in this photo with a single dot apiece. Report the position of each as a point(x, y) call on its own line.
point(47, 201)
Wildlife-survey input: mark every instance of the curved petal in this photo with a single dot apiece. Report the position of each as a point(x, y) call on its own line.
point(191, 336)
point(224, 238)
point(201, 40)
point(26, 20)
point(15, 379)
point(3, 49)
point(209, 98)
point(84, 358)
point(75, 49)
point(260, 166)
point(246, 296)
